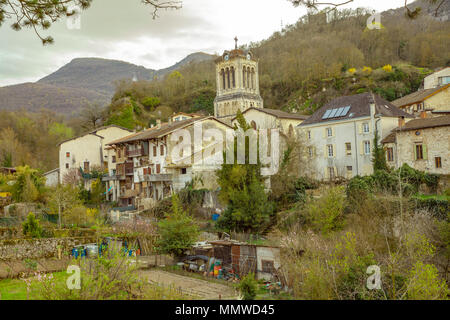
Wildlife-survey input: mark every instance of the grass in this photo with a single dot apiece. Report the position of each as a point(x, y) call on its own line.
point(16, 289)
point(434, 196)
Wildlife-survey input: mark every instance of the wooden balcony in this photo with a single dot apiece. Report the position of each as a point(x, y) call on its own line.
point(135, 153)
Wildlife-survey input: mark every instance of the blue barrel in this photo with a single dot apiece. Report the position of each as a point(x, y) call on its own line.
point(215, 216)
point(75, 253)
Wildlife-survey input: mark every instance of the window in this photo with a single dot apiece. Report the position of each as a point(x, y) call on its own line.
point(349, 172)
point(366, 147)
point(67, 166)
point(154, 151)
point(310, 152)
point(329, 132)
point(86, 166)
point(438, 162)
point(390, 154)
point(158, 168)
point(267, 266)
point(161, 151)
point(330, 150)
point(309, 134)
point(366, 127)
point(348, 148)
point(444, 80)
point(67, 154)
point(419, 152)
point(183, 170)
point(113, 159)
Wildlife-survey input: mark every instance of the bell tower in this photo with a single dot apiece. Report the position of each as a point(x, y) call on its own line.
point(237, 83)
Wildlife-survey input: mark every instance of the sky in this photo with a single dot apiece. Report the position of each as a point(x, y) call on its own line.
point(125, 30)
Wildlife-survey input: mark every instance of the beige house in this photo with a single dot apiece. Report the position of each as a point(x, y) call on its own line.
point(272, 119)
point(435, 101)
point(152, 164)
point(338, 138)
point(437, 79)
point(423, 144)
point(88, 151)
point(181, 116)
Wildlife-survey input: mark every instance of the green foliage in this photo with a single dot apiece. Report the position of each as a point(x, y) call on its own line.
point(28, 185)
point(248, 287)
point(124, 118)
point(31, 227)
point(326, 214)
point(150, 103)
point(425, 283)
point(178, 232)
point(378, 155)
point(242, 191)
point(60, 130)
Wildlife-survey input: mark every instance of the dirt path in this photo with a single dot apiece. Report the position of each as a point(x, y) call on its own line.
point(200, 288)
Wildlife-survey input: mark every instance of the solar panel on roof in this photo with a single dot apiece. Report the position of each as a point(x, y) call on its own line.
point(333, 113)
point(339, 112)
point(327, 113)
point(346, 110)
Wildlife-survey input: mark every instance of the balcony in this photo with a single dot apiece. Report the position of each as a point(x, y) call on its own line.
point(157, 177)
point(135, 153)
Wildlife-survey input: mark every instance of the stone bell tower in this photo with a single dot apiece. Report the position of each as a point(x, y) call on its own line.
point(237, 83)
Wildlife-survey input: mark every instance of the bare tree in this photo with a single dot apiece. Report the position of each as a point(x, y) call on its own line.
point(92, 115)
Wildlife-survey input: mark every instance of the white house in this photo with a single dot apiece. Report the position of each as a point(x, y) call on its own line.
point(339, 136)
point(87, 151)
point(52, 178)
point(436, 79)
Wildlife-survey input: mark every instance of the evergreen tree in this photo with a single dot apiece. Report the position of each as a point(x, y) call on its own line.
point(379, 155)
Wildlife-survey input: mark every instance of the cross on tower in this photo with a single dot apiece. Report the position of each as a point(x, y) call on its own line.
point(235, 40)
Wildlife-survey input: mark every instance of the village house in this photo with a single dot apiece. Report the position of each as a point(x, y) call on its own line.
point(437, 79)
point(260, 118)
point(435, 101)
point(145, 168)
point(423, 144)
point(86, 152)
point(181, 116)
point(338, 138)
point(52, 178)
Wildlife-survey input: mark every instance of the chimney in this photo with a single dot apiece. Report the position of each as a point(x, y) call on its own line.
point(158, 123)
point(423, 115)
point(401, 122)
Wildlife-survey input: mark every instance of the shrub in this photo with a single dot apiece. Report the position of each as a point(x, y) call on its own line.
point(31, 227)
point(425, 283)
point(326, 214)
point(248, 287)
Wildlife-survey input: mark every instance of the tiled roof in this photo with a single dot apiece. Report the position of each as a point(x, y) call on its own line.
point(418, 96)
point(165, 129)
point(94, 132)
point(442, 121)
point(359, 107)
point(390, 138)
point(279, 113)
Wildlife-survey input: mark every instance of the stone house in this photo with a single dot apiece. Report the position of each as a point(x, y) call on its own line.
point(338, 138)
point(435, 101)
point(271, 119)
point(52, 178)
point(423, 144)
point(153, 163)
point(437, 79)
point(88, 151)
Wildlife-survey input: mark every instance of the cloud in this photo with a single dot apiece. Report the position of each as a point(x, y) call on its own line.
point(125, 30)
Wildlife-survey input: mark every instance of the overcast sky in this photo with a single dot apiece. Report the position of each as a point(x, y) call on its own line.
point(124, 30)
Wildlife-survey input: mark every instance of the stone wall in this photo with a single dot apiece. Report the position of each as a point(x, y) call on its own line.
point(20, 249)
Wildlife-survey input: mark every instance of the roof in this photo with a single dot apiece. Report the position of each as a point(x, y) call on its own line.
point(165, 129)
point(193, 115)
point(94, 132)
point(51, 171)
point(418, 96)
point(390, 138)
point(359, 107)
point(278, 113)
point(442, 121)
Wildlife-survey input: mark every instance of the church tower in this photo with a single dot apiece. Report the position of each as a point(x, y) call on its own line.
point(237, 83)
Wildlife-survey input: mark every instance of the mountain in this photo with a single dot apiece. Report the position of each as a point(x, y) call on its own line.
point(80, 81)
point(438, 11)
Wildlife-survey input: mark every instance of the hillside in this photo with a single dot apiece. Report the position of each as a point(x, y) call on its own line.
point(35, 96)
point(82, 80)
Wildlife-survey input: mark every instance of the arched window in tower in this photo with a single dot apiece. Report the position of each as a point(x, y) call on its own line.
point(248, 77)
point(244, 77)
point(253, 124)
point(223, 79)
point(228, 78)
point(253, 78)
point(233, 76)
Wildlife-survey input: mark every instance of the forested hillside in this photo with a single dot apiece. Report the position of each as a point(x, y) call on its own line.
point(307, 64)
